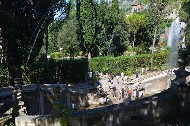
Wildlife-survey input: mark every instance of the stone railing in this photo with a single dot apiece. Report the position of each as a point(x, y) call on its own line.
point(148, 110)
point(145, 111)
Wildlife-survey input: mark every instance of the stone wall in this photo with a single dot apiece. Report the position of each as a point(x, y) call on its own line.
point(37, 120)
point(156, 86)
point(82, 97)
point(147, 111)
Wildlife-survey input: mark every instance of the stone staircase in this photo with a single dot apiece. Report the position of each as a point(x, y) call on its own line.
point(6, 104)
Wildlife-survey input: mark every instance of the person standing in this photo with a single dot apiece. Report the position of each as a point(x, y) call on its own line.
point(114, 91)
point(125, 80)
point(74, 107)
point(146, 69)
point(137, 73)
point(129, 92)
point(117, 77)
point(109, 82)
point(142, 70)
point(142, 95)
point(122, 77)
point(137, 93)
point(125, 91)
point(122, 93)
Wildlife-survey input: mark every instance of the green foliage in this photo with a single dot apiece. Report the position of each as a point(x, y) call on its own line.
point(142, 48)
point(88, 26)
point(112, 36)
point(23, 24)
point(67, 37)
point(127, 64)
point(101, 28)
point(56, 55)
point(4, 78)
point(53, 31)
point(105, 69)
point(136, 22)
point(141, 29)
point(62, 112)
point(11, 124)
point(26, 75)
point(115, 6)
point(185, 16)
point(157, 9)
point(53, 71)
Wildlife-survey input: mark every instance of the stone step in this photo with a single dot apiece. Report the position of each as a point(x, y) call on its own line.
point(180, 123)
point(21, 103)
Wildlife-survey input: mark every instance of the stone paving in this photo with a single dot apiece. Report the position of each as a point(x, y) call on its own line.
point(120, 82)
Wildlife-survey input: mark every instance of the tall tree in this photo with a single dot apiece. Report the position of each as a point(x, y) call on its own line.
point(87, 26)
point(23, 24)
point(135, 22)
point(112, 37)
point(118, 36)
point(157, 10)
point(101, 27)
point(115, 6)
point(185, 17)
point(105, 28)
point(67, 37)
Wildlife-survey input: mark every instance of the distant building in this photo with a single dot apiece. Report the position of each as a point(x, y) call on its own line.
point(137, 8)
point(172, 14)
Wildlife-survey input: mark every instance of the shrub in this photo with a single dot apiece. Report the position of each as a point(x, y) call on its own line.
point(4, 76)
point(53, 71)
point(56, 55)
point(127, 64)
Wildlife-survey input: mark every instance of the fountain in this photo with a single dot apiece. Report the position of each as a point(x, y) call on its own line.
point(173, 42)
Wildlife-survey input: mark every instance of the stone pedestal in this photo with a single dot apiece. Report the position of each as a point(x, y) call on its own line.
point(18, 104)
point(37, 120)
point(68, 98)
point(181, 73)
point(41, 102)
point(184, 100)
point(181, 83)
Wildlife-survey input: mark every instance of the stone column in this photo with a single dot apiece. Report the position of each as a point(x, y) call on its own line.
point(183, 88)
point(41, 105)
point(40, 100)
point(18, 103)
point(1, 48)
point(184, 100)
point(67, 98)
point(181, 73)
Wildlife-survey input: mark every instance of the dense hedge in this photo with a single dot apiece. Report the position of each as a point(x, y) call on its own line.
point(54, 71)
point(128, 64)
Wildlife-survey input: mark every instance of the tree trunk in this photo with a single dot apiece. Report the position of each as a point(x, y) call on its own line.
point(153, 44)
point(14, 67)
point(134, 39)
point(47, 42)
point(12, 62)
